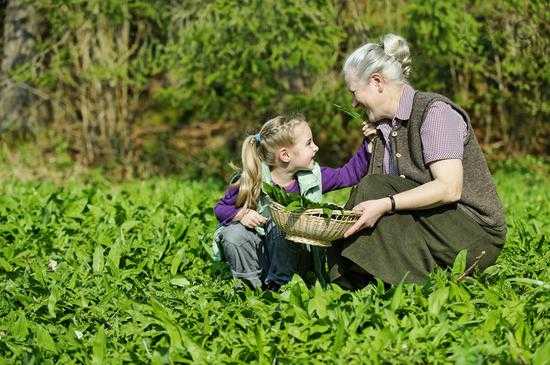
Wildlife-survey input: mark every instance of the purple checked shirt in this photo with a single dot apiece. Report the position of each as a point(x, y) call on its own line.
point(443, 132)
point(331, 179)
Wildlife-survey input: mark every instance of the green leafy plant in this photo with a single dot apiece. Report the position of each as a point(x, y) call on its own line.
point(96, 272)
point(296, 203)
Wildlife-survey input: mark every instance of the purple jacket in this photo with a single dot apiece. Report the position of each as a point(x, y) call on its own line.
point(331, 179)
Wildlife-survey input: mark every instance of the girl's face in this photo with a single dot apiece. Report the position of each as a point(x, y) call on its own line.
point(301, 154)
point(365, 94)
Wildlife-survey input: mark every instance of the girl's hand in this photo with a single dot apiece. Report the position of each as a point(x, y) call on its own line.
point(369, 129)
point(250, 218)
point(371, 211)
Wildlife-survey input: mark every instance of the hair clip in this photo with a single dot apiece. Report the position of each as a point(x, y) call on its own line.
point(257, 137)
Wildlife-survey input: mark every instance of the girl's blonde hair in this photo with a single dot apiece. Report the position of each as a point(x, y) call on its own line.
point(262, 147)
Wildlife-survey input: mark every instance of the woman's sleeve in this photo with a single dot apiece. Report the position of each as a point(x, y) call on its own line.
point(350, 173)
point(225, 210)
point(443, 133)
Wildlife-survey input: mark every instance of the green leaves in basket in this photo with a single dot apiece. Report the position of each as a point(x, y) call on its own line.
point(295, 206)
point(279, 195)
point(296, 203)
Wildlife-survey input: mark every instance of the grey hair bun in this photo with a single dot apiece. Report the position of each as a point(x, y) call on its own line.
point(396, 47)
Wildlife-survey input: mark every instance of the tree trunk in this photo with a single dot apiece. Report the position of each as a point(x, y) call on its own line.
point(2, 17)
point(18, 109)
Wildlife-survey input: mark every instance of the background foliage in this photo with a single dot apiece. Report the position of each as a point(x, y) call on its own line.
point(169, 86)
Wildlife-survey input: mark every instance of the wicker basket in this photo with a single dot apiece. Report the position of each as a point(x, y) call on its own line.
point(310, 226)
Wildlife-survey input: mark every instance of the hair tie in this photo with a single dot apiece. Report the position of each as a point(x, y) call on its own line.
point(257, 137)
point(390, 56)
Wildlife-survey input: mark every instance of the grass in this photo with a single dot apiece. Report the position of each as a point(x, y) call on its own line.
point(94, 272)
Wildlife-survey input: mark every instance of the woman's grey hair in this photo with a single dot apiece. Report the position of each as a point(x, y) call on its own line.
point(390, 57)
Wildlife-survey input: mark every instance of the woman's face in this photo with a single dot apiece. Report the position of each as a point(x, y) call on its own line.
point(365, 94)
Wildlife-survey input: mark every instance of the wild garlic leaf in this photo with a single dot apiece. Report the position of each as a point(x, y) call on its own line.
point(294, 202)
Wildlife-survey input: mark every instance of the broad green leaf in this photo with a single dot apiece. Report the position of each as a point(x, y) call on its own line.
point(390, 319)
point(318, 303)
point(178, 337)
point(437, 299)
point(176, 261)
point(180, 229)
point(113, 258)
point(158, 359)
point(457, 292)
point(340, 336)
point(43, 338)
point(294, 207)
point(542, 354)
point(298, 333)
point(128, 225)
point(492, 320)
point(5, 265)
point(459, 265)
point(398, 298)
point(52, 302)
point(180, 281)
point(99, 355)
point(259, 335)
point(297, 291)
point(20, 327)
point(521, 330)
point(98, 260)
point(380, 288)
point(318, 329)
point(75, 208)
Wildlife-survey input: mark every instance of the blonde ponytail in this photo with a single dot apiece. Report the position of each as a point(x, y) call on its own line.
point(250, 182)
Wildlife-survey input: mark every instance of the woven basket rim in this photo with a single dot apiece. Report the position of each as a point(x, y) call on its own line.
point(311, 226)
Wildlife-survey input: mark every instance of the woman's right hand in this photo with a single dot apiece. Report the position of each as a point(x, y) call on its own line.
point(251, 218)
point(371, 211)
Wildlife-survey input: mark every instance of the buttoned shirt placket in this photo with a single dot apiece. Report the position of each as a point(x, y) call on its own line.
point(389, 132)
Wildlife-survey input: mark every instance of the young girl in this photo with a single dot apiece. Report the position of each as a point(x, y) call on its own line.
point(281, 153)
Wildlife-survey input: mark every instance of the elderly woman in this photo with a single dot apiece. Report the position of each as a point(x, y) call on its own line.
point(428, 193)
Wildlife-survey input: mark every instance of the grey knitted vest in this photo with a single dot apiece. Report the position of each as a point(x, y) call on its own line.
point(479, 197)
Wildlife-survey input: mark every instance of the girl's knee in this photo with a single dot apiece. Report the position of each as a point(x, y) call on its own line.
point(236, 235)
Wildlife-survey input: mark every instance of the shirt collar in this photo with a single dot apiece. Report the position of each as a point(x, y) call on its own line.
point(404, 108)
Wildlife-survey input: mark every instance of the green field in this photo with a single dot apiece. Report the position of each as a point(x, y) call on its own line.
point(94, 272)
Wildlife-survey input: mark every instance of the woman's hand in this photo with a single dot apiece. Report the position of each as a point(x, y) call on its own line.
point(371, 211)
point(251, 219)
